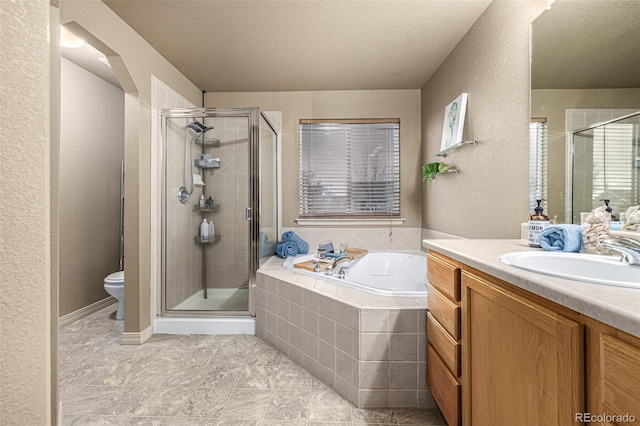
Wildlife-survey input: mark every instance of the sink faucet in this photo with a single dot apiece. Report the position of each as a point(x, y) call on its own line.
point(629, 248)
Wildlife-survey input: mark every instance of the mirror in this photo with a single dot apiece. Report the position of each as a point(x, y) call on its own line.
point(585, 69)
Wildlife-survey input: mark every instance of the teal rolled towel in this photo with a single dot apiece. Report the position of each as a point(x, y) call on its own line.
point(292, 237)
point(561, 238)
point(286, 249)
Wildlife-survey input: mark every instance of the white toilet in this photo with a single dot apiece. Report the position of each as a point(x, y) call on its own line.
point(114, 285)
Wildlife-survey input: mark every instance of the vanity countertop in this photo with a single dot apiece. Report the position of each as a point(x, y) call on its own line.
point(618, 307)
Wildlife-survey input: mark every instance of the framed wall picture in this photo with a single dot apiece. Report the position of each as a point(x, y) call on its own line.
point(453, 122)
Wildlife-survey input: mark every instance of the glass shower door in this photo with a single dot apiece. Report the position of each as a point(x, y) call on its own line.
point(207, 156)
point(226, 157)
point(268, 208)
point(228, 266)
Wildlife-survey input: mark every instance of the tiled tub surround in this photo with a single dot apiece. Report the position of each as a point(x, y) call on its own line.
point(371, 349)
point(373, 238)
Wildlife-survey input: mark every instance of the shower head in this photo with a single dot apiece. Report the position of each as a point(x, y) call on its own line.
point(198, 127)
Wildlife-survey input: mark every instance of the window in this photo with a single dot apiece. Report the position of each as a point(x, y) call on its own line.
point(349, 168)
point(537, 161)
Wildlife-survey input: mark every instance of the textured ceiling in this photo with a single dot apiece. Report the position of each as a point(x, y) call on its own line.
point(283, 45)
point(587, 44)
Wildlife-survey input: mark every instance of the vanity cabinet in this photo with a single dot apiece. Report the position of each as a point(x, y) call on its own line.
point(500, 355)
point(444, 351)
point(613, 373)
point(523, 362)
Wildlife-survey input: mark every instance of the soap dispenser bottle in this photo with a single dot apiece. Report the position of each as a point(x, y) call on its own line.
point(609, 209)
point(204, 231)
point(537, 222)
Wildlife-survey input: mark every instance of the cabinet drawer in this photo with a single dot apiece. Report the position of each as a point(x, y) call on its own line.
point(443, 386)
point(448, 348)
point(445, 311)
point(444, 276)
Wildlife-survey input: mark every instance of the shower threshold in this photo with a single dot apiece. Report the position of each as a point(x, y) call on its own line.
point(224, 311)
point(218, 299)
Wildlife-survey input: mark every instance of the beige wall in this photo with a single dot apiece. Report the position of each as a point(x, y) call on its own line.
point(25, 228)
point(91, 149)
point(134, 62)
point(403, 104)
point(488, 199)
point(552, 103)
point(54, 146)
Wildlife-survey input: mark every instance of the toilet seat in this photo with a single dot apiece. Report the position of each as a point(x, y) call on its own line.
point(115, 278)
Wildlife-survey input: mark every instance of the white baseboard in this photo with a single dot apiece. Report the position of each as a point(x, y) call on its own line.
point(87, 310)
point(136, 338)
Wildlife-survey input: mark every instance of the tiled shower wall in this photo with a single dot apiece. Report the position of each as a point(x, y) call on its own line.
point(229, 187)
point(180, 230)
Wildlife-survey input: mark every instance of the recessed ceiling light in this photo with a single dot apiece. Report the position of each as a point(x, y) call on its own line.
point(69, 39)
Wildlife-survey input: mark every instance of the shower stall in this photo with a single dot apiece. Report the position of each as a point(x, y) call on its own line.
point(219, 166)
point(606, 165)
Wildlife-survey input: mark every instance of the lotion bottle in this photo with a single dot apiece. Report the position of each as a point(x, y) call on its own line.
point(537, 222)
point(204, 231)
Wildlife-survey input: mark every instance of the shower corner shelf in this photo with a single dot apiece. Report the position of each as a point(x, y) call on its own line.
point(215, 143)
point(445, 152)
point(216, 239)
point(215, 208)
point(213, 165)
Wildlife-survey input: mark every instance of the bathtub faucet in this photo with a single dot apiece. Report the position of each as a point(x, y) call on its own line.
point(337, 267)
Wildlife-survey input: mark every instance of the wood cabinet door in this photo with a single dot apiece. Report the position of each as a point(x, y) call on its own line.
point(523, 363)
point(613, 375)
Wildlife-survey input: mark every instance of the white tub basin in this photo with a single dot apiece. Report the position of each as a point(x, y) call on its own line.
point(591, 268)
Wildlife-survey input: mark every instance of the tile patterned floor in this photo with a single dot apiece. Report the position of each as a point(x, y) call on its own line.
point(196, 380)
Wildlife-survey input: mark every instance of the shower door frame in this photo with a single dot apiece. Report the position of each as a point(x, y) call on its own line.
point(253, 115)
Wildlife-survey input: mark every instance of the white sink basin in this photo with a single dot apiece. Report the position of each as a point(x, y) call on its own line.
point(590, 268)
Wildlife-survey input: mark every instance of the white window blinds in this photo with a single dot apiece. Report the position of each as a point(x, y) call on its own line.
point(537, 163)
point(615, 173)
point(349, 168)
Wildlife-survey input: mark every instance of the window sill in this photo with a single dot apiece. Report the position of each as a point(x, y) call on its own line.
point(350, 222)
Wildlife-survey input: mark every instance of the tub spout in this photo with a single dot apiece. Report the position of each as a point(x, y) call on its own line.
point(337, 265)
